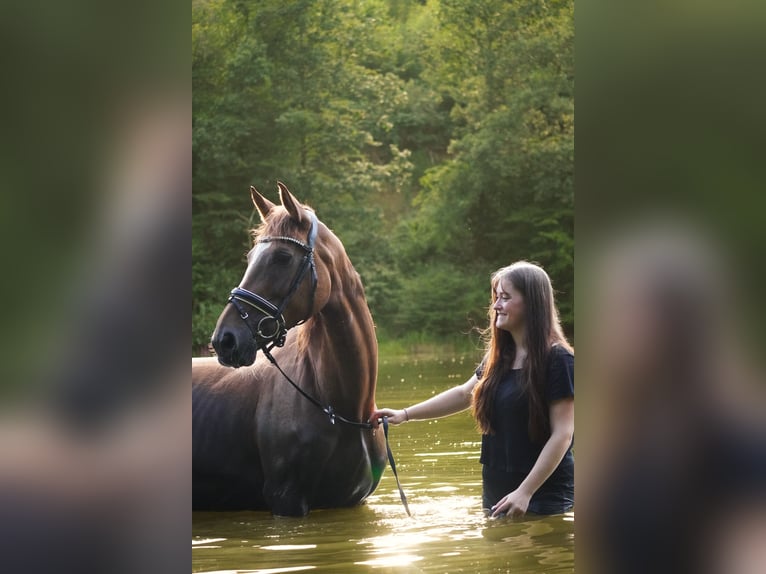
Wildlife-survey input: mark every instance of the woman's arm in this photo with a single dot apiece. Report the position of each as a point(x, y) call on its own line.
point(562, 431)
point(449, 402)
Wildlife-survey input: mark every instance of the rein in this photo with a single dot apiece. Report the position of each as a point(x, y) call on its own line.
point(271, 331)
point(328, 410)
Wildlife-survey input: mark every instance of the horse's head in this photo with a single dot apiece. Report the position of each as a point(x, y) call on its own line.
point(284, 284)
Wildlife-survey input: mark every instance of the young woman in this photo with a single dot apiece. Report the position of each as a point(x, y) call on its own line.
point(522, 396)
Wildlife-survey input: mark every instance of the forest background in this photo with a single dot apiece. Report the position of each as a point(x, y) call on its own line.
point(435, 138)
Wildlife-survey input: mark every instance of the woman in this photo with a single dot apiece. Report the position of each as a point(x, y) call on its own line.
point(522, 396)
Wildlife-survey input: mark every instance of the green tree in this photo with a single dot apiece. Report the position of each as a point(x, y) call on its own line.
point(506, 190)
point(436, 138)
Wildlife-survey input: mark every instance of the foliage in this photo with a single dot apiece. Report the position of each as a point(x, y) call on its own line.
point(436, 138)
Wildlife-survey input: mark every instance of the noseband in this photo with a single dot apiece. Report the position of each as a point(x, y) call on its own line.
point(271, 329)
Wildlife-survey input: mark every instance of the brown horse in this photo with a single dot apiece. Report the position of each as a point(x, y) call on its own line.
point(258, 443)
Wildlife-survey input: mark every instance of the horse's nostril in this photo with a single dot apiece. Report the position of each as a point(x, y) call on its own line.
point(228, 342)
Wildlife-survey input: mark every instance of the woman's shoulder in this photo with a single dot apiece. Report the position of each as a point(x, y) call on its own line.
point(561, 352)
point(560, 375)
point(560, 357)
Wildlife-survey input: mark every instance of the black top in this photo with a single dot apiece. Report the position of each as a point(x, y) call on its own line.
point(510, 448)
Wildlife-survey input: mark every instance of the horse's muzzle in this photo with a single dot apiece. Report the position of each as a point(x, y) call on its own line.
point(233, 349)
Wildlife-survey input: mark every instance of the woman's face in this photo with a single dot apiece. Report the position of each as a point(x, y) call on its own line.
point(508, 307)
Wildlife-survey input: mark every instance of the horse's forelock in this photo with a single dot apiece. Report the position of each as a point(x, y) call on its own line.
point(280, 223)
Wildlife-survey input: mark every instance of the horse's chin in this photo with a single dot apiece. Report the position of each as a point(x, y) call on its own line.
point(249, 357)
point(245, 358)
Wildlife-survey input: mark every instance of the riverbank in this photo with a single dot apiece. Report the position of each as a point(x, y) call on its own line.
point(422, 345)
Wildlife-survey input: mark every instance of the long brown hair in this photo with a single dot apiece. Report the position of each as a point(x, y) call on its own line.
point(542, 332)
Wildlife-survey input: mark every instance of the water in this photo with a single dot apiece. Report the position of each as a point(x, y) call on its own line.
point(438, 463)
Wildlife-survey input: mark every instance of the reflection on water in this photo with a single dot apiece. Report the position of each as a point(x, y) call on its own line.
point(440, 473)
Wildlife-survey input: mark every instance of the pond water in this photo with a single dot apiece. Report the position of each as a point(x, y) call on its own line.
point(438, 464)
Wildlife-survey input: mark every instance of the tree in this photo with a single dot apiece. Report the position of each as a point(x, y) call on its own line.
point(436, 138)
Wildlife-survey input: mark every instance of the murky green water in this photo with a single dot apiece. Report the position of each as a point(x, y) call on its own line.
point(438, 464)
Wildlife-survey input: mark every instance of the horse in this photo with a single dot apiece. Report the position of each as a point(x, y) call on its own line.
point(258, 443)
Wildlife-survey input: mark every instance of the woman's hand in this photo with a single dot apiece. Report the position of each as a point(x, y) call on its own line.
point(512, 504)
point(394, 417)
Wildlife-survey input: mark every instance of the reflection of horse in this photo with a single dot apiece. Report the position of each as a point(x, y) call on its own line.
point(259, 444)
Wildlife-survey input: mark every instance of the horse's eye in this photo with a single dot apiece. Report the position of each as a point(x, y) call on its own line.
point(281, 257)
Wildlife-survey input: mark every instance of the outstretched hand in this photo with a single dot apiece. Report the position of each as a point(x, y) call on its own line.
point(394, 417)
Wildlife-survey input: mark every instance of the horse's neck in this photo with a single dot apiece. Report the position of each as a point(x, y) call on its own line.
point(347, 354)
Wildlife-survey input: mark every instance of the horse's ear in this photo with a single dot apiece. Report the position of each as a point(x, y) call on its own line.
point(263, 205)
point(291, 204)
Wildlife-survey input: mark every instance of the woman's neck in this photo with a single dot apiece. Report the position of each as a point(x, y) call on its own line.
point(518, 339)
point(520, 358)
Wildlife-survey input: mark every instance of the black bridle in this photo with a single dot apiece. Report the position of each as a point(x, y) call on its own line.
point(271, 329)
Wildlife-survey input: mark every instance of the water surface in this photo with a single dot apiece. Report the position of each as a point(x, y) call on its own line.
point(438, 463)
